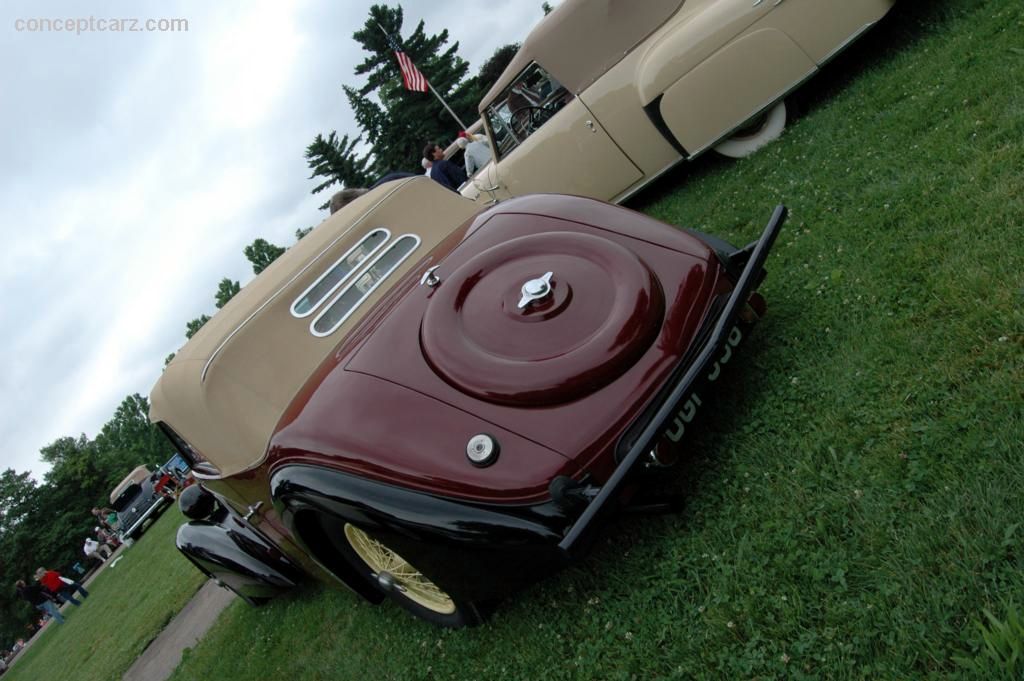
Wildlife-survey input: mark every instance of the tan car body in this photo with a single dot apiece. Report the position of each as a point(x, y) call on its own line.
point(228, 386)
point(656, 83)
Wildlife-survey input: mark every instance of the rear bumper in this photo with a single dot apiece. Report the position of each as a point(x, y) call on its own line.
point(661, 419)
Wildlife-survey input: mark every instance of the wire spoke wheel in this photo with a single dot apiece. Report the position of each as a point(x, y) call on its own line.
point(409, 581)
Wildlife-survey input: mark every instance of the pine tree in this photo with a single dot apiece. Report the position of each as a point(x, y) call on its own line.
point(398, 122)
point(336, 160)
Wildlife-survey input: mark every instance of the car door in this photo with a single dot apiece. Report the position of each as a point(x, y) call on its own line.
point(545, 139)
point(570, 154)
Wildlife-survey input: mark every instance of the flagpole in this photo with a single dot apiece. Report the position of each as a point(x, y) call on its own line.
point(391, 41)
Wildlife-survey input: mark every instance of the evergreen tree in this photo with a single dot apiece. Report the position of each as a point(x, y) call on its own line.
point(494, 67)
point(398, 122)
point(336, 161)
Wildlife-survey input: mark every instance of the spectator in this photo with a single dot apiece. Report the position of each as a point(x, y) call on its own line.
point(350, 194)
point(61, 587)
point(345, 197)
point(108, 538)
point(38, 597)
point(94, 549)
point(478, 153)
point(445, 173)
point(106, 517)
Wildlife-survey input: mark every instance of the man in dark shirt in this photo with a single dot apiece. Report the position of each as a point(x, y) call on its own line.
point(443, 172)
point(37, 596)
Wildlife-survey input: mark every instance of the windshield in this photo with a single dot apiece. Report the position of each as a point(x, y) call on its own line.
point(527, 104)
point(127, 497)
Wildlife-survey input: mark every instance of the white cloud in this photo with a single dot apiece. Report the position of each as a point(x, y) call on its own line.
point(135, 167)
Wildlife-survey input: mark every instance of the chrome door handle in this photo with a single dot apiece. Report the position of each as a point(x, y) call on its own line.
point(430, 277)
point(590, 125)
point(252, 511)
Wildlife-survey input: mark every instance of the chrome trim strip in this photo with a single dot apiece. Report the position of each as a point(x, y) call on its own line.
point(368, 292)
point(387, 236)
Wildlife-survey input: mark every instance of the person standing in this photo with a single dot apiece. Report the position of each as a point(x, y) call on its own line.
point(106, 517)
point(477, 153)
point(37, 596)
point(443, 172)
point(61, 587)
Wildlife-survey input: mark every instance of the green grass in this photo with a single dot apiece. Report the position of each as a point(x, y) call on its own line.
point(128, 606)
point(855, 500)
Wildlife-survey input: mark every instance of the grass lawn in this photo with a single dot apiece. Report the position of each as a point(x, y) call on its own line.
point(128, 606)
point(854, 501)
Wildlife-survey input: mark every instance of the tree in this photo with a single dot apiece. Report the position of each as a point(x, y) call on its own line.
point(400, 122)
point(17, 490)
point(336, 160)
point(546, 6)
point(261, 253)
point(192, 327)
point(226, 291)
point(130, 439)
point(299, 233)
point(495, 66)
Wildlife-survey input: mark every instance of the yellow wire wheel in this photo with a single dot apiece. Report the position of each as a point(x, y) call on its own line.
point(409, 581)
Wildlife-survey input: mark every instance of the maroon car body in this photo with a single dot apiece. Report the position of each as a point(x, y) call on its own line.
point(571, 337)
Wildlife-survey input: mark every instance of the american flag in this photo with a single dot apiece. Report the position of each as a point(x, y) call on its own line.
point(411, 76)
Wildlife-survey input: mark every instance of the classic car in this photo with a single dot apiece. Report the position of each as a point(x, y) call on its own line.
point(136, 500)
point(438, 403)
point(606, 95)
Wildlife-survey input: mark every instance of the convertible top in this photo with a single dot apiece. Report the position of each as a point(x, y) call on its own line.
point(229, 385)
point(581, 39)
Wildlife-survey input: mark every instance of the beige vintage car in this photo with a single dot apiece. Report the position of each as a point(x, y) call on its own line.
point(606, 95)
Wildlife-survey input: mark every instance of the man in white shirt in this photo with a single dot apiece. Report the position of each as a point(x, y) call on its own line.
point(478, 153)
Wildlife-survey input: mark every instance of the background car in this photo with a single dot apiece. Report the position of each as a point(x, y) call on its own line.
point(136, 502)
point(438, 405)
point(606, 95)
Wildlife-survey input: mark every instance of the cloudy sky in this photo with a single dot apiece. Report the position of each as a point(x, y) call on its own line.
point(135, 167)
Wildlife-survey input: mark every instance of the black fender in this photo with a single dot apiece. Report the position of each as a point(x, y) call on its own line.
point(473, 551)
point(228, 549)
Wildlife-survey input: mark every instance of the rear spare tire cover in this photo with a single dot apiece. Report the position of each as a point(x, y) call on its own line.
point(601, 311)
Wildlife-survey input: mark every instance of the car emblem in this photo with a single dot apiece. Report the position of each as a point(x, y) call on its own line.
point(535, 289)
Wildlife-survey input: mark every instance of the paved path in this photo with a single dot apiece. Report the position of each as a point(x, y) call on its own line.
point(162, 656)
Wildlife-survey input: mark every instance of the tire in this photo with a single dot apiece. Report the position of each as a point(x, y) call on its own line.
point(403, 583)
point(763, 129)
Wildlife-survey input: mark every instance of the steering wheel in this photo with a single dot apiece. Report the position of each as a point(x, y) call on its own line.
point(526, 119)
